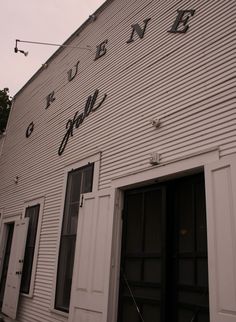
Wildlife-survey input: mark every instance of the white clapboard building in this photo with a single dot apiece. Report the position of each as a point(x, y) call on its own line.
point(118, 171)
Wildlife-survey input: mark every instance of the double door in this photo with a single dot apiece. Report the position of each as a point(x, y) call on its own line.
point(164, 271)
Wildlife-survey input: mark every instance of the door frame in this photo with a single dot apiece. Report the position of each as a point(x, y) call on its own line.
point(180, 167)
point(3, 232)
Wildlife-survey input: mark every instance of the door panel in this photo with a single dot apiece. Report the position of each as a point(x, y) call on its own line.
point(14, 273)
point(221, 214)
point(142, 255)
point(189, 290)
point(90, 285)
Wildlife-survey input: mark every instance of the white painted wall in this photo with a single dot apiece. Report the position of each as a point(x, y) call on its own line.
point(186, 80)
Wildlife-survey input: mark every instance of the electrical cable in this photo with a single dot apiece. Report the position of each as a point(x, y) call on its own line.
point(131, 293)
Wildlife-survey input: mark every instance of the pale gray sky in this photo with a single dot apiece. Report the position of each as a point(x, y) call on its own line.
point(36, 20)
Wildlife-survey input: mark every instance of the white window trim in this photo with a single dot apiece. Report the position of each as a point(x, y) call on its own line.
point(1, 217)
point(93, 158)
point(27, 204)
point(189, 164)
point(11, 219)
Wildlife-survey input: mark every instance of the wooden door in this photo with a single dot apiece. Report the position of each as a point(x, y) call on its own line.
point(221, 219)
point(14, 273)
point(91, 275)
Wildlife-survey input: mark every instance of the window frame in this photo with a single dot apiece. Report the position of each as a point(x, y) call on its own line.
point(95, 159)
point(1, 218)
point(39, 201)
point(77, 180)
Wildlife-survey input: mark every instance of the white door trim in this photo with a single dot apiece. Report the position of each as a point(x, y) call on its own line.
point(190, 164)
point(3, 235)
point(187, 163)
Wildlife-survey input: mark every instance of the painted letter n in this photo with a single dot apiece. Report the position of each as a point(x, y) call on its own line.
point(136, 28)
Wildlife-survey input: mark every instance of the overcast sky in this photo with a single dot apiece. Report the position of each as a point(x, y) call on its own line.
point(36, 20)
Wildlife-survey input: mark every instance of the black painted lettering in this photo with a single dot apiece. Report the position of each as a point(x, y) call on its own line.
point(49, 99)
point(101, 49)
point(93, 100)
point(73, 72)
point(99, 104)
point(69, 133)
point(87, 108)
point(136, 28)
point(29, 130)
point(181, 22)
point(78, 119)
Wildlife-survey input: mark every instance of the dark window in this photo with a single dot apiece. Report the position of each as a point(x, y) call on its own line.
point(33, 214)
point(79, 181)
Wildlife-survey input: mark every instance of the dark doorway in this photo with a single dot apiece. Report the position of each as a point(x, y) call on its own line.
point(164, 273)
point(10, 228)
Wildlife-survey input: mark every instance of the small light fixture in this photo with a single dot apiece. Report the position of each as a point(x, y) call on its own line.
point(16, 179)
point(45, 65)
point(154, 158)
point(16, 50)
point(155, 122)
point(92, 17)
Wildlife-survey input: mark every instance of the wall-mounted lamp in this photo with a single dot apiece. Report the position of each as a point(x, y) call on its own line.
point(48, 44)
point(45, 65)
point(155, 122)
point(16, 179)
point(92, 17)
point(18, 50)
point(154, 158)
